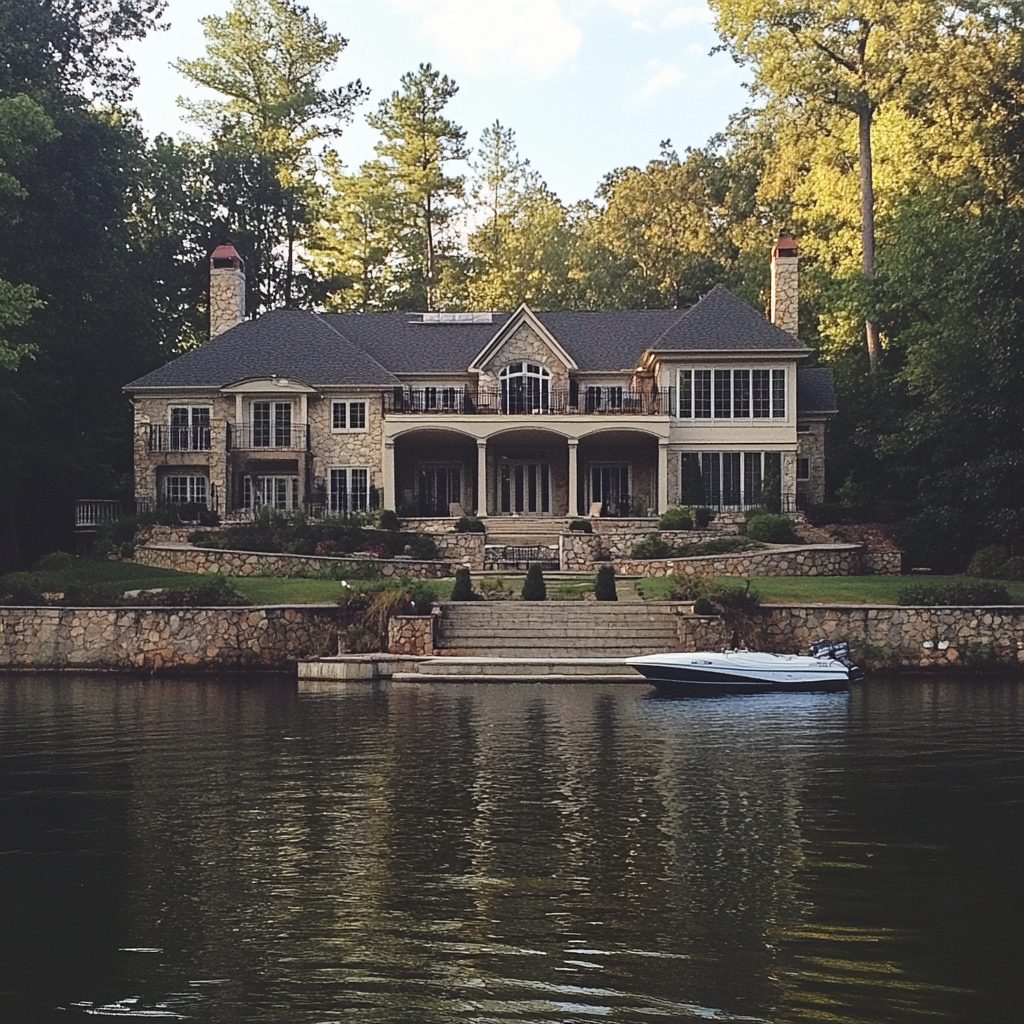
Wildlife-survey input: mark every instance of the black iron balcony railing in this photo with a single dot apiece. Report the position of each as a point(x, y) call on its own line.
point(268, 436)
point(163, 438)
point(605, 401)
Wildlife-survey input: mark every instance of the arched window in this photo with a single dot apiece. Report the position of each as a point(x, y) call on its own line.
point(525, 387)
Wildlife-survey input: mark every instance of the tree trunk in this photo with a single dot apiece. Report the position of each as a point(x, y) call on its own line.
point(429, 282)
point(865, 115)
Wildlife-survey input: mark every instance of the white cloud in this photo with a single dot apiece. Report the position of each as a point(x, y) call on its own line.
point(642, 26)
point(481, 35)
point(687, 16)
point(661, 79)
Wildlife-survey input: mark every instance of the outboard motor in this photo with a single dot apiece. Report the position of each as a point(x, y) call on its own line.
point(836, 652)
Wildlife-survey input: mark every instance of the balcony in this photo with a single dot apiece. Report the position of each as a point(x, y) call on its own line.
point(603, 401)
point(268, 437)
point(90, 514)
point(163, 438)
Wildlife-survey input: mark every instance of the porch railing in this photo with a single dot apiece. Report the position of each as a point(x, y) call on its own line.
point(163, 438)
point(91, 514)
point(604, 401)
point(268, 437)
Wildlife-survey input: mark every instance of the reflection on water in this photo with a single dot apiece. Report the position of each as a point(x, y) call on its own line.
point(232, 851)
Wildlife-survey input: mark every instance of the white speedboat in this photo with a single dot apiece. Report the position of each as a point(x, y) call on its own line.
point(826, 669)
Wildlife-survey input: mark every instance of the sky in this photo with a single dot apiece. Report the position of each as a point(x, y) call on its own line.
point(587, 85)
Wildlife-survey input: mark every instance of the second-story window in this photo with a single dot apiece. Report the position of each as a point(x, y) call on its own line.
point(271, 424)
point(525, 387)
point(190, 428)
point(348, 416)
point(732, 394)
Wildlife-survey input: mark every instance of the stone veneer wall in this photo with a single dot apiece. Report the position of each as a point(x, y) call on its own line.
point(577, 552)
point(465, 549)
point(808, 560)
point(882, 636)
point(619, 535)
point(209, 561)
point(883, 563)
point(161, 639)
point(411, 634)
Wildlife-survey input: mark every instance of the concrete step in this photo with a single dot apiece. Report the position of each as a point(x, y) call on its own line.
point(633, 651)
point(505, 666)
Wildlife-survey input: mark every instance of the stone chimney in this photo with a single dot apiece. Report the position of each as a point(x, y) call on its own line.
point(786, 285)
point(227, 290)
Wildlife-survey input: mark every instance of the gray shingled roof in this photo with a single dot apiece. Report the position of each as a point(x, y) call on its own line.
point(370, 349)
point(815, 390)
point(285, 342)
point(721, 322)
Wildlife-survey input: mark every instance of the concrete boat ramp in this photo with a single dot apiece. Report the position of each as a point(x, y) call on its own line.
point(324, 673)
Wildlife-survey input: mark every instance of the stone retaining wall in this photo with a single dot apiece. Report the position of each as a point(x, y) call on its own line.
point(163, 639)
point(619, 535)
point(463, 549)
point(411, 634)
point(577, 552)
point(807, 560)
point(884, 636)
point(210, 561)
point(883, 563)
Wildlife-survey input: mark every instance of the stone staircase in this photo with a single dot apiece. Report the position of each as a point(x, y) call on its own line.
point(556, 629)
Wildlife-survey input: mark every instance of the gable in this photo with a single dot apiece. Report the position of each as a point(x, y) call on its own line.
point(522, 337)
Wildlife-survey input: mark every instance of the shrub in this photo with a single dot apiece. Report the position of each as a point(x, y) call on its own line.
point(703, 517)
point(534, 588)
point(717, 546)
point(675, 518)
point(581, 526)
point(55, 561)
point(954, 592)
point(211, 593)
point(423, 594)
point(652, 546)
point(604, 590)
point(703, 606)
point(989, 563)
point(753, 513)
point(771, 529)
point(21, 588)
point(469, 524)
point(463, 589)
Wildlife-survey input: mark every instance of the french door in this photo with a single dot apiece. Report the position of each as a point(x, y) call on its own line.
point(280, 492)
point(609, 484)
point(526, 487)
point(439, 487)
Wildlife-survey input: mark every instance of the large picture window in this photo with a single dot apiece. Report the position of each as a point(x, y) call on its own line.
point(525, 387)
point(186, 490)
point(350, 490)
point(732, 394)
point(730, 480)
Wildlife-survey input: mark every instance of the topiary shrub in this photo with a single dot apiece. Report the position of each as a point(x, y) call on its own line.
point(604, 590)
point(581, 526)
point(469, 524)
point(534, 588)
point(463, 589)
point(703, 606)
point(771, 529)
point(676, 518)
point(703, 516)
point(652, 546)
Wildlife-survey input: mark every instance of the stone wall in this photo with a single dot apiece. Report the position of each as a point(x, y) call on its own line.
point(809, 560)
point(461, 549)
point(162, 639)
point(411, 634)
point(577, 552)
point(619, 535)
point(883, 563)
point(881, 636)
point(431, 526)
point(209, 561)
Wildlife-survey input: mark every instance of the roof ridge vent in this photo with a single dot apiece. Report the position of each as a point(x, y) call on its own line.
point(452, 318)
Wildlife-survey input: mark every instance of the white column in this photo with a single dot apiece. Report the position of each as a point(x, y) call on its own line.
point(390, 498)
point(662, 476)
point(574, 503)
point(481, 477)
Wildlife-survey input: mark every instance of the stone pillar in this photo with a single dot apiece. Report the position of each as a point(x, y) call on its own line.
point(662, 476)
point(481, 478)
point(390, 498)
point(574, 485)
point(227, 290)
point(789, 481)
point(785, 285)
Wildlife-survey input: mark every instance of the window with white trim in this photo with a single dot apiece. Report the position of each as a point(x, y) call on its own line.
point(349, 490)
point(186, 490)
point(348, 416)
point(732, 394)
point(525, 387)
point(271, 424)
point(190, 428)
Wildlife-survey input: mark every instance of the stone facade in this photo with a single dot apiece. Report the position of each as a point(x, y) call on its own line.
point(227, 298)
point(785, 302)
point(578, 552)
point(340, 449)
point(211, 561)
point(165, 639)
point(461, 549)
point(411, 634)
point(809, 560)
point(524, 345)
point(811, 446)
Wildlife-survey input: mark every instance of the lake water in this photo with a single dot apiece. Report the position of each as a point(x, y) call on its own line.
point(232, 851)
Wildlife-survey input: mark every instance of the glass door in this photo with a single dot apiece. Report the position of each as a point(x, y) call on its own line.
point(440, 486)
point(526, 488)
point(609, 484)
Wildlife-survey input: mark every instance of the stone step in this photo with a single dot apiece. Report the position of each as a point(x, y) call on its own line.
point(623, 651)
point(515, 667)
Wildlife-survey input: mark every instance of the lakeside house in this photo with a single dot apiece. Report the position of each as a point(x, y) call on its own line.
point(527, 413)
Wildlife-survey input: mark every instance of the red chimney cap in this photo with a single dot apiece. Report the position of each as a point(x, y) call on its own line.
point(785, 246)
point(226, 256)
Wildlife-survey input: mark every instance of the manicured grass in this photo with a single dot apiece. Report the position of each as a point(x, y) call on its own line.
point(125, 575)
point(821, 589)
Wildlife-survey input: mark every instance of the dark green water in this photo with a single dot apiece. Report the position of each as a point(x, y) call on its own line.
point(235, 852)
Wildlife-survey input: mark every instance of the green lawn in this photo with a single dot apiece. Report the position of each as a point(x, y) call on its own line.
point(821, 589)
point(126, 575)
